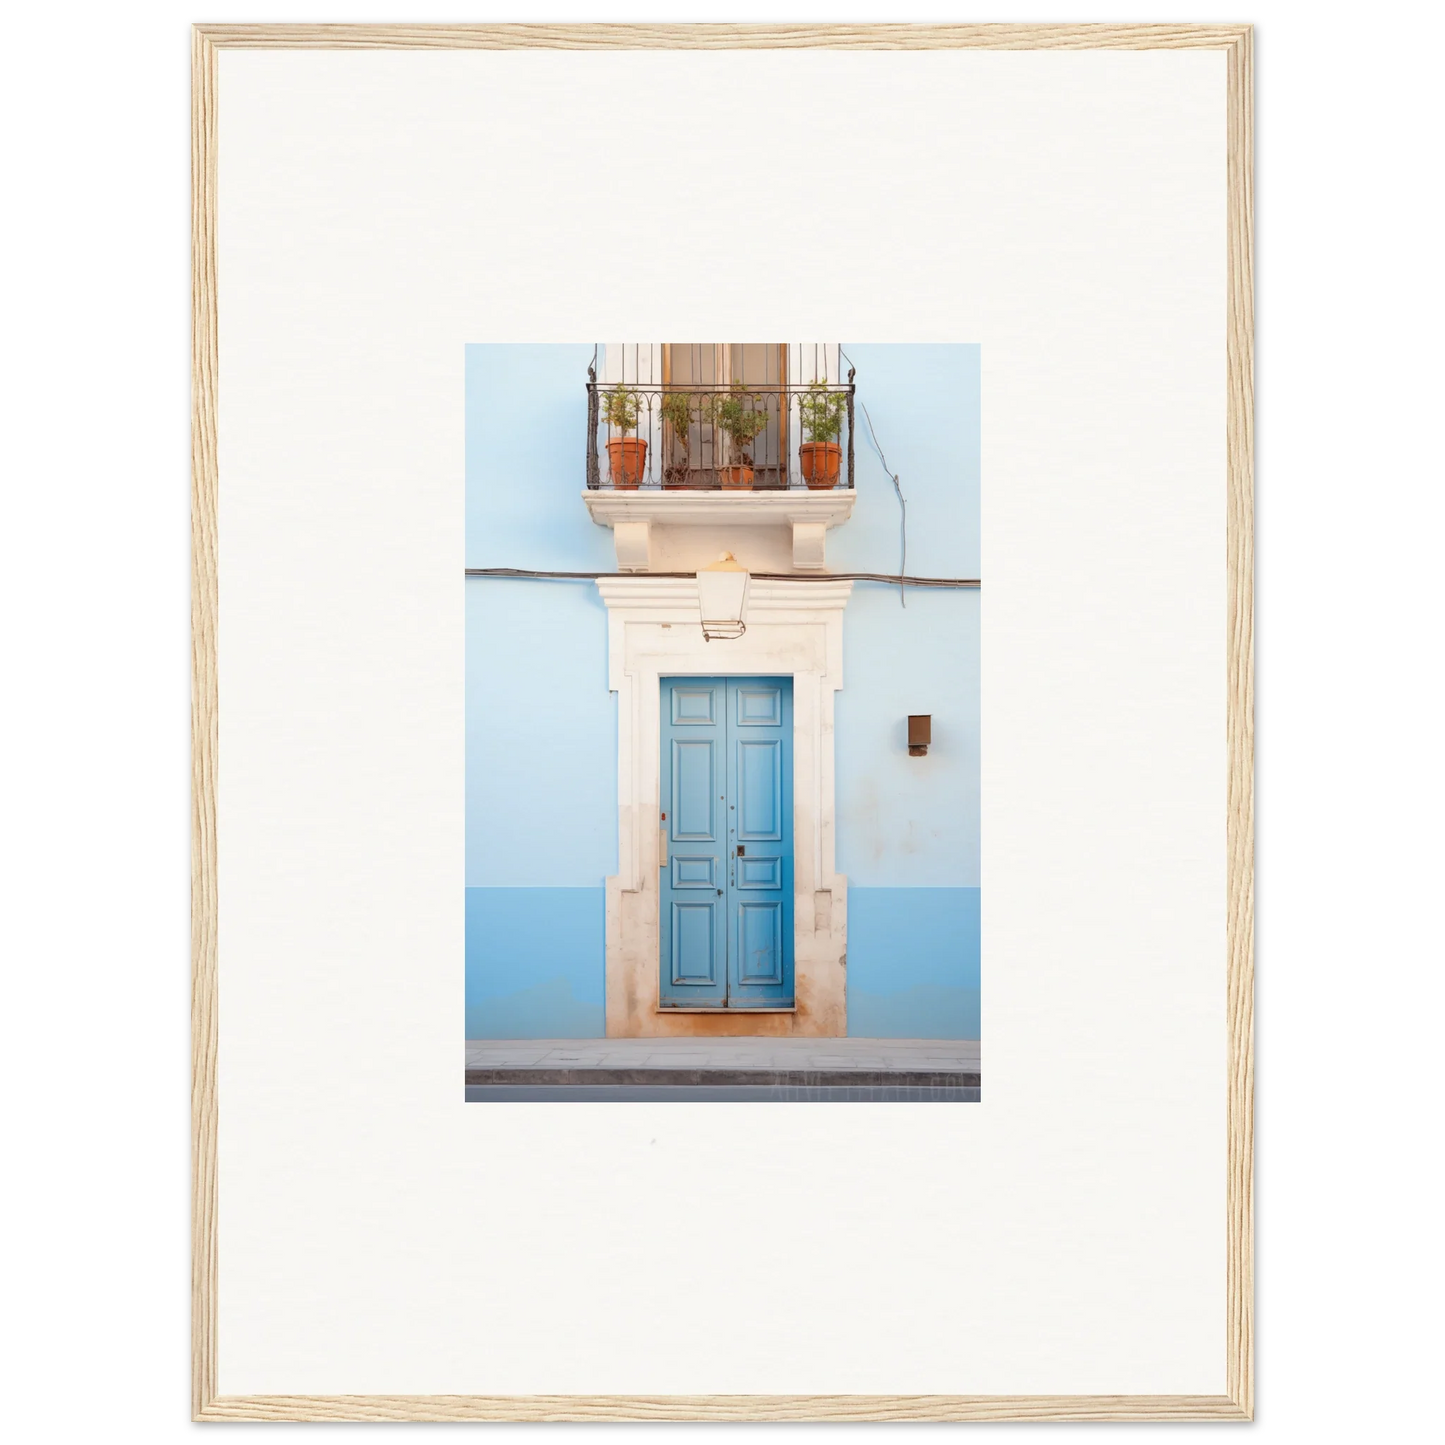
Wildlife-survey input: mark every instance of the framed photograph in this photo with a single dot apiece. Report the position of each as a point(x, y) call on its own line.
point(634, 777)
point(813, 929)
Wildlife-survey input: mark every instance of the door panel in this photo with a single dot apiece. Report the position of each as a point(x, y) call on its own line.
point(765, 365)
point(759, 791)
point(692, 916)
point(694, 951)
point(694, 705)
point(760, 872)
point(694, 872)
point(695, 796)
point(726, 904)
point(760, 842)
point(759, 707)
point(760, 954)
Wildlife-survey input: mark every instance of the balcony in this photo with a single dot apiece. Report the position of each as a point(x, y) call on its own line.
point(720, 438)
point(735, 456)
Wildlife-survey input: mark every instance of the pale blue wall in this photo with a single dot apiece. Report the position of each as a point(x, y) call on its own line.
point(906, 822)
point(924, 401)
point(541, 736)
point(908, 833)
point(526, 449)
point(534, 963)
point(541, 742)
point(908, 836)
point(913, 963)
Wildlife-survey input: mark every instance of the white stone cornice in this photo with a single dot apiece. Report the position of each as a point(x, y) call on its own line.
point(634, 514)
point(712, 508)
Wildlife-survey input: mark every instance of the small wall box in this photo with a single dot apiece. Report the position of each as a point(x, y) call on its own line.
point(920, 734)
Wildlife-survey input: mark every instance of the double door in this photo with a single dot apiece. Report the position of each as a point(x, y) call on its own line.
point(705, 371)
point(726, 843)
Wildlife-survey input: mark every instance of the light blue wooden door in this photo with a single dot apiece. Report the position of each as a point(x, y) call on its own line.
point(760, 842)
point(726, 904)
point(693, 875)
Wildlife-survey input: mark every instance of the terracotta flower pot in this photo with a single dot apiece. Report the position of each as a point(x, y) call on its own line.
point(626, 459)
point(820, 462)
point(736, 479)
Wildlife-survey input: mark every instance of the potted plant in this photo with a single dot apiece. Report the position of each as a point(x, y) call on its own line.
point(626, 455)
point(738, 416)
point(821, 412)
point(677, 413)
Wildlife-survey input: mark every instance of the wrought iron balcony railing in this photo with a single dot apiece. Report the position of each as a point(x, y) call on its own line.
point(711, 438)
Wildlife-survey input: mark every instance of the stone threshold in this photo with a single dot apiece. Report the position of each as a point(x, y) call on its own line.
point(728, 1013)
point(684, 1076)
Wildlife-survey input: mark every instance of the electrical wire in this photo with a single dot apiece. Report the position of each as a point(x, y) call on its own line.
point(897, 489)
point(526, 573)
point(902, 507)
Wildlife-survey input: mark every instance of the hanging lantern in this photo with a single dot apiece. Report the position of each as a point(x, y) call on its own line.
point(722, 595)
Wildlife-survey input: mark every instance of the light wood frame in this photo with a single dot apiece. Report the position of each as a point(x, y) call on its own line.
point(1236, 41)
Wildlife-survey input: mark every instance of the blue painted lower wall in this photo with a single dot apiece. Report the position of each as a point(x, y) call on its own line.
point(536, 963)
point(913, 963)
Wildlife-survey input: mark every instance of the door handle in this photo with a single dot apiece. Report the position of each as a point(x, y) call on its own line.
point(662, 847)
point(740, 851)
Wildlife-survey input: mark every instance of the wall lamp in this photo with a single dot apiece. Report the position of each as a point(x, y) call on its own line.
point(920, 734)
point(722, 597)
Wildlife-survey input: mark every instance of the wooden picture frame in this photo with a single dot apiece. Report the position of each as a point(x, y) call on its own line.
point(1238, 1402)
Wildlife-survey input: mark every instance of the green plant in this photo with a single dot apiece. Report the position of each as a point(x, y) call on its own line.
point(677, 413)
point(620, 408)
point(738, 414)
point(821, 412)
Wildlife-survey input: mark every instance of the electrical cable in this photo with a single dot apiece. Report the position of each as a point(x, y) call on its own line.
point(960, 583)
point(897, 488)
point(902, 507)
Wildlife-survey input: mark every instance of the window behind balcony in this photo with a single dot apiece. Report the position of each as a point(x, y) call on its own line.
point(702, 370)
